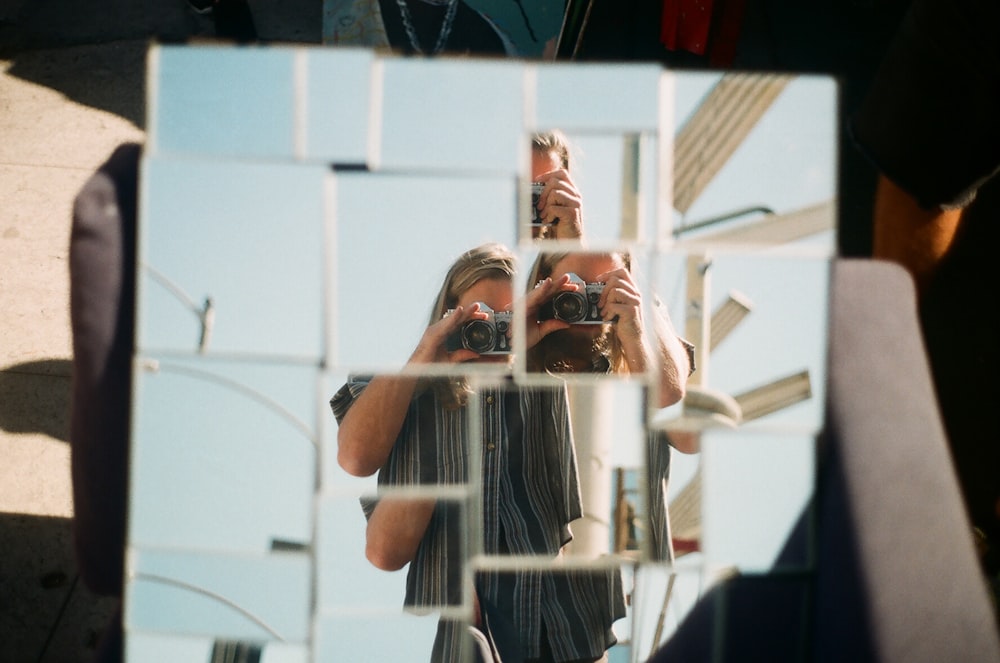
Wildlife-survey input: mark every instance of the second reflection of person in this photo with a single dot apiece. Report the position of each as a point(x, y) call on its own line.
point(619, 344)
point(414, 431)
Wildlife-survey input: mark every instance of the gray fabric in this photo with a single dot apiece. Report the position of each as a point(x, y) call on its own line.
point(896, 566)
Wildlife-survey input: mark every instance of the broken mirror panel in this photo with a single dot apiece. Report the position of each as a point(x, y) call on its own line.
point(342, 107)
point(453, 115)
point(358, 568)
point(757, 492)
point(612, 118)
point(396, 236)
point(222, 102)
point(231, 258)
point(224, 455)
point(759, 325)
point(605, 194)
point(755, 161)
point(253, 598)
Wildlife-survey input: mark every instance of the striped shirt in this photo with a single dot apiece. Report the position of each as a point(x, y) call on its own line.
point(530, 494)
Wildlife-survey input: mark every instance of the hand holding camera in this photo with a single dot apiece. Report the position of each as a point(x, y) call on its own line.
point(489, 335)
point(432, 346)
point(579, 306)
point(620, 301)
point(556, 206)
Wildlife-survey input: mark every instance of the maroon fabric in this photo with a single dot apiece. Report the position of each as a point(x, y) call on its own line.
point(703, 27)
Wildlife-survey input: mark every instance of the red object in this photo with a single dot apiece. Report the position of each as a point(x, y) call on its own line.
point(703, 27)
point(685, 546)
point(685, 25)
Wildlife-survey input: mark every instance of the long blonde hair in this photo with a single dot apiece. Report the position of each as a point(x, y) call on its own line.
point(487, 261)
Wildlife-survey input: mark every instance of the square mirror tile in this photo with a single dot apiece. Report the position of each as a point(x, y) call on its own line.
point(224, 455)
point(231, 258)
point(222, 102)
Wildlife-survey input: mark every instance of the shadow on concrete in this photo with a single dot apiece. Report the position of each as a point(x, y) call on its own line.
point(47, 615)
point(95, 52)
point(36, 398)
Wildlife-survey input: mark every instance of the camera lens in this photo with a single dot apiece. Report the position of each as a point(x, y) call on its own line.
point(479, 336)
point(570, 306)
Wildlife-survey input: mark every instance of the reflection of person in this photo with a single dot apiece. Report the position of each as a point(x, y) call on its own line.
point(621, 347)
point(930, 125)
point(415, 431)
point(559, 205)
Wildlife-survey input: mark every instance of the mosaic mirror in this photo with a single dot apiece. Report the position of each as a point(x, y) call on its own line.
point(300, 209)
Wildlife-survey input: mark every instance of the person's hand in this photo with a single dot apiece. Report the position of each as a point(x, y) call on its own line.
point(621, 299)
point(560, 206)
point(431, 348)
point(542, 293)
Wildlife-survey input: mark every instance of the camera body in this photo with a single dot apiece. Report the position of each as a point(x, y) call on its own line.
point(536, 193)
point(575, 307)
point(485, 337)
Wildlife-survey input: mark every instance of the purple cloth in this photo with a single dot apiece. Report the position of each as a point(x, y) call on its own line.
point(102, 306)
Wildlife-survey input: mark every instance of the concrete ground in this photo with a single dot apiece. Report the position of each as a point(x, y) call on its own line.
point(71, 89)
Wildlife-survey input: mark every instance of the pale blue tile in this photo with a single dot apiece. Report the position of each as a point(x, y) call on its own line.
point(345, 579)
point(396, 637)
point(464, 115)
point(342, 115)
point(257, 598)
point(222, 100)
point(344, 576)
point(223, 455)
point(601, 97)
point(757, 487)
point(395, 238)
point(249, 236)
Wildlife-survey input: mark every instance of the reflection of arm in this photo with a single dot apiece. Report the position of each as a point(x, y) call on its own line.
point(675, 361)
point(370, 427)
point(395, 530)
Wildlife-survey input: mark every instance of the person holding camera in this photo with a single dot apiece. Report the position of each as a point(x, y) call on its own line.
point(611, 338)
point(558, 205)
point(607, 335)
point(414, 431)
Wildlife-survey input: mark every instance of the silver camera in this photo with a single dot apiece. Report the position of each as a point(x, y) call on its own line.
point(536, 193)
point(485, 337)
point(576, 308)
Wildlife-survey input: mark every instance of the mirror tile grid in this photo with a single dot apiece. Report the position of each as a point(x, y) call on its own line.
point(299, 210)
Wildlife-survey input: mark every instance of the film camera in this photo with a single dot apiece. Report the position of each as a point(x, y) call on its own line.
point(536, 193)
point(485, 337)
point(577, 308)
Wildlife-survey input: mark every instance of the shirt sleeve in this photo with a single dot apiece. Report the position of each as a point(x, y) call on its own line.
point(929, 121)
point(347, 394)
